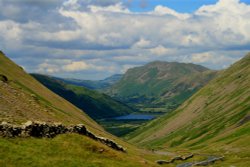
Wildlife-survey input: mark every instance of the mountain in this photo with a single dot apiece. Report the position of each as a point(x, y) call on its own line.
point(23, 98)
point(160, 86)
point(95, 85)
point(96, 105)
point(214, 120)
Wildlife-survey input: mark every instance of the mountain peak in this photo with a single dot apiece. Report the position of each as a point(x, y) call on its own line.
point(160, 80)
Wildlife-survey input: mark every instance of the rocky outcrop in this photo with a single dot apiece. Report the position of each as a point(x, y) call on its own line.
point(210, 160)
point(3, 78)
point(182, 158)
point(44, 130)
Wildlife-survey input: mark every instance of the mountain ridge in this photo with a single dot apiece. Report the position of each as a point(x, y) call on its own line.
point(93, 84)
point(161, 85)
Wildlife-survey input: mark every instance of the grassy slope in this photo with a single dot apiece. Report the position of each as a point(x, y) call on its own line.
point(69, 150)
point(95, 104)
point(215, 119)
point(23, 98)
point(160, 86)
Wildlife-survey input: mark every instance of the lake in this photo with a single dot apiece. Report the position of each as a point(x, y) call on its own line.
point(135, 117)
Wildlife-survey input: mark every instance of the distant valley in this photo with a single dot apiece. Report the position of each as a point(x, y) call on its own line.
point(160, 86)
point(141, 94)
point(96, 105)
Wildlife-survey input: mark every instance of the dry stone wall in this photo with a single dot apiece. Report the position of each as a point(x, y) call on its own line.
point(44, 130)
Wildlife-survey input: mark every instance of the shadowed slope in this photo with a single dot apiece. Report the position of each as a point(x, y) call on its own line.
point(96, 105)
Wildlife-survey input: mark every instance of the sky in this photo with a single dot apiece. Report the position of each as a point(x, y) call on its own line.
point(93, 39)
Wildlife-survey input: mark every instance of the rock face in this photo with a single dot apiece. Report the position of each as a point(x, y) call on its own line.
point(45, 130)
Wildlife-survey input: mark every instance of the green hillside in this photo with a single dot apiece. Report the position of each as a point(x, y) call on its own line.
point(23, 98)
point(214, 120)
point(96, 105)
point(160, 86)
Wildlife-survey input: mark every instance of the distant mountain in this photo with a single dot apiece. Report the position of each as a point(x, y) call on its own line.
point(160, 86)
point(90, 84)
point(96, 105)
point(215, 119)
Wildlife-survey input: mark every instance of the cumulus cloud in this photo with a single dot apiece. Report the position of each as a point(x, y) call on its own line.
point(160, 51)
point(69, 66)
point(142, 43)
point(212, 58)
point(163, 10)
point(116, 8)
point(76, 66)
point(55, 36)
point(201, 57)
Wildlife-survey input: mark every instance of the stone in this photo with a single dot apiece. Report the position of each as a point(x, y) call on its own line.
point(161, 162)
point(28, 123)
point(187, 157)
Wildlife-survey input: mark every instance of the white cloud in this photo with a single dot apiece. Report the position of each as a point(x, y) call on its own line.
point(121, 38)
point(48, 68)
point(163, 10)
point(116, 8)
point(72, 4)
point(76, 66)
point(160, 51)
point(221, 59)
point(69, 66)
point(142, 43)
point(201, 57)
